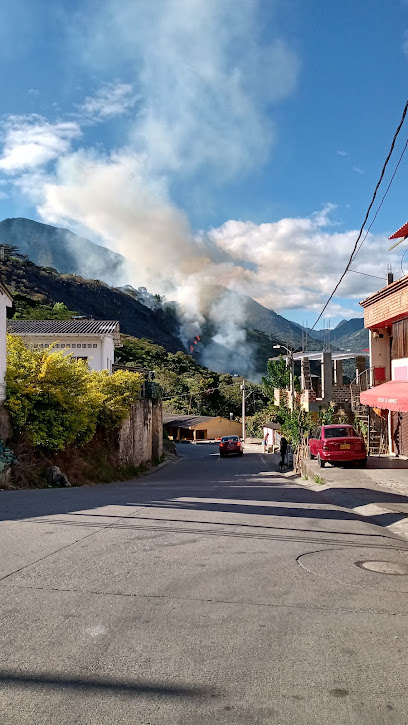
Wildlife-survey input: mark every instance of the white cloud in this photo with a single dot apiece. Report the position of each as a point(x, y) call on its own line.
point(358, 170)
point(205, 76)
point(343, 153)
point(31, 141)
point(299, 261)
point(112, 99)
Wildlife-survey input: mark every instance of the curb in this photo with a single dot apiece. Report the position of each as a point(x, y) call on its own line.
point(394, 522)
point(160, 466)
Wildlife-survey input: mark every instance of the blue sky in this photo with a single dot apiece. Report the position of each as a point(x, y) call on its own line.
point(210, 141)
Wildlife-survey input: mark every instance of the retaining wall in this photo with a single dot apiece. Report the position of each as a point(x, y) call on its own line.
point(140, 438)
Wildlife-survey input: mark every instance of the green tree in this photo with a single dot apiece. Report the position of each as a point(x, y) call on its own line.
point(277, 376)
point(57, 401)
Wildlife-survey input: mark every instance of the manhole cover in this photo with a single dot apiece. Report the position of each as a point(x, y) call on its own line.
point(384, 567)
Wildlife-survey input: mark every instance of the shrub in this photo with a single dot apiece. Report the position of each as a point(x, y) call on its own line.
point(57, 401)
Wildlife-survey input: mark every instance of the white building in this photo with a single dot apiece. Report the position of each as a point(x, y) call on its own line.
point(6, 300)
point(90, 340)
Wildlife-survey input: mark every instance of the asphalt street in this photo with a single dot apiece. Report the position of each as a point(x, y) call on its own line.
point(212, 591)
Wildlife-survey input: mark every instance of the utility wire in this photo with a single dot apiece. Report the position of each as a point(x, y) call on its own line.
point(367, 275)
point(357, 242)
point(382, 200)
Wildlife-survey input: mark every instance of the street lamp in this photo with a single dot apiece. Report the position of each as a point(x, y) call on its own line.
point(291, 372)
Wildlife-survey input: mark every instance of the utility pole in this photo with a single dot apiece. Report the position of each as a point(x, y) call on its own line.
point(291, 372)
point(243, 410)
point(292, 381)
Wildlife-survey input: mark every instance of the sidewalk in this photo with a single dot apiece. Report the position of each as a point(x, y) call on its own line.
point(379, 491)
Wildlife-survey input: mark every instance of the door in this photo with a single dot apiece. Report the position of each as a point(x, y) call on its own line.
point(315, 442)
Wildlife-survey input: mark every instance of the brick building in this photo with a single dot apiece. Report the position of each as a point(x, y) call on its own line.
point(386, 316)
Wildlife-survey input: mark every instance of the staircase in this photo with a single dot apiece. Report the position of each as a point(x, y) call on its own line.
point(363, 421)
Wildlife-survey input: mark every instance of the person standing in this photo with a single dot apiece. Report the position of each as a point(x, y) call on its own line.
point(265, 443)
point(283, 448)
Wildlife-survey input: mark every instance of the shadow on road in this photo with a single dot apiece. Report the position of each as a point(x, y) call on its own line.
point(88, 684)
point(246, 486)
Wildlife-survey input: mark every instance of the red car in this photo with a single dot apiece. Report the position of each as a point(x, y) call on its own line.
point(230, 444)
point(337, 444)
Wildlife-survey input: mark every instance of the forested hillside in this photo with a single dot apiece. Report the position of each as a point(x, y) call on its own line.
point(91, 298)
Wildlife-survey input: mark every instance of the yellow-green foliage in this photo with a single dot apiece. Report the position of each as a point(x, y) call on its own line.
point(58, 401)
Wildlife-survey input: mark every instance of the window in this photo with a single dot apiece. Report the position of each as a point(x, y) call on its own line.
point(337, 432)
point(73, 345)
point(94, 345)
point(89, 345)
point(83, 345)
point(399, 347)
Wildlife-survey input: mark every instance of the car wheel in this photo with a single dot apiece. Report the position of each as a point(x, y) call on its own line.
point(311, 456)
point(320, 463)
point(363, 462)
point(241, 453)
point(222, 455)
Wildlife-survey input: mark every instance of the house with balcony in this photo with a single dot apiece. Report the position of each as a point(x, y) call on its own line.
point(386, 396)
point(329, 387)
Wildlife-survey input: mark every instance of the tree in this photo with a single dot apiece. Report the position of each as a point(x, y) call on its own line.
point(57, 401)
point(277, 376)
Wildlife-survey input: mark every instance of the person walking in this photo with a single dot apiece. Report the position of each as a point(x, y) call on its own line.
point(265, 443)
point(283, 448)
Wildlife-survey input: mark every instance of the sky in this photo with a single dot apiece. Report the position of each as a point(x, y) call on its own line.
point(212, 142)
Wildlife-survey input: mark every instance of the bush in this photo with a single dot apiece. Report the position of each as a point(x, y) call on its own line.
point(57, 401)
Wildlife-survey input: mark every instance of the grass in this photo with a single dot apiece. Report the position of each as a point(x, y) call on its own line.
point(318, 479)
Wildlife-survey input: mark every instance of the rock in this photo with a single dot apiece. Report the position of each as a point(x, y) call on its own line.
point(5, 477)
point(55, 477)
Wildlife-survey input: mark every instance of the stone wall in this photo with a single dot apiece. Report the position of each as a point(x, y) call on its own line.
point(140, 439)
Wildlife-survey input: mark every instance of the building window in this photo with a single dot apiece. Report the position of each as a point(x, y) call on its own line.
point(84, 345)
point(73, 344)
point(94, 345)
point(89, 345)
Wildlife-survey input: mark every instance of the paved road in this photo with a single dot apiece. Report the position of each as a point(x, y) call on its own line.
point(214, 591)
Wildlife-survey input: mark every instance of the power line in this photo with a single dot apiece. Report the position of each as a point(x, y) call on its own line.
point(356, 244)
point(382, 200)
point(367, 275)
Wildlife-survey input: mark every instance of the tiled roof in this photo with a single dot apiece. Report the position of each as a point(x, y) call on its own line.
point(65, 327)
point(185, 421)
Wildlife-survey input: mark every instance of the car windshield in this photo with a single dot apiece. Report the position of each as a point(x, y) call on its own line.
point(230, 438)
point(337, 432)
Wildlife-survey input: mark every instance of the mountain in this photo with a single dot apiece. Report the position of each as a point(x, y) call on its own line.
point(258, 317)
point(354, 341)
point(93, 299)
point(53, 248)
point(347, 335)
point(68, 253)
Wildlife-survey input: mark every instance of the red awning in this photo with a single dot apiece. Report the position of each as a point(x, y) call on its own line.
point(390, 396)
point(401, 232)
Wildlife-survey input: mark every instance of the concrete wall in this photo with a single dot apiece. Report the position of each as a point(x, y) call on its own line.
point(140, 439)
point(218, 427)
point(98, 351)
point(380, 352)
point(107, 354)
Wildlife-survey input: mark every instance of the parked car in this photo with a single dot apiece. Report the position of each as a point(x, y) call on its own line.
point(337, 444)
point(231, 444)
